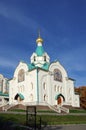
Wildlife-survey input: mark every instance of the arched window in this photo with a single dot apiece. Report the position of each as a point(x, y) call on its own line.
point(58, 88)
point(1, 84)
point(55, 88)
point(44, 58)
point(61, 89)
point(6, 87)
point(45, 97)
point(57, 75)
point(44, 86)
point(34, 58)
point(21, 75)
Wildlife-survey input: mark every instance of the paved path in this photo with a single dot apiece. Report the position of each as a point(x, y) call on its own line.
point(66, 127)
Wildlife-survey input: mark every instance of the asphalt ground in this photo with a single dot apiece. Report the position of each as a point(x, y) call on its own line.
point(66, 127)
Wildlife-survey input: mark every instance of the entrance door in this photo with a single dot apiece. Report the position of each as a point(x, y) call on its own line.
point(59, 101)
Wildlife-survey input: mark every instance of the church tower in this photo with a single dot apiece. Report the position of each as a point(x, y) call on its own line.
point(40, 58)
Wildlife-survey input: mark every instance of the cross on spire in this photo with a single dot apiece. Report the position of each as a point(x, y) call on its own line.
point(39, 39)
point(39, 32)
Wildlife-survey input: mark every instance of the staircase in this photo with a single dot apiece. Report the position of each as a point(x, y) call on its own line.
point(64, 109)
point(7, 106)
point(58, 109)
point(3, 106)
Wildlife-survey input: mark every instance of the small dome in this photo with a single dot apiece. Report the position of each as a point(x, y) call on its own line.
point(39, 40)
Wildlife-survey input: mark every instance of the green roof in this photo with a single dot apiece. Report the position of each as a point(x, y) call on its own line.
point(59, 95)
point(31, 66)
point(39, 51)
point(21, 96)
point(46, 66)
point(4, 94)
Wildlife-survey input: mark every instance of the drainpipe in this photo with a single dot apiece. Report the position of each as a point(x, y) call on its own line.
point(37, 88)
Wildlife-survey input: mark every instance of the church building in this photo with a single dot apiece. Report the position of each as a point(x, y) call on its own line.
point(41, 82)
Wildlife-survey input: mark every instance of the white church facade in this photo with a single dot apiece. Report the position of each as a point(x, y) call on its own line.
point(42, 82)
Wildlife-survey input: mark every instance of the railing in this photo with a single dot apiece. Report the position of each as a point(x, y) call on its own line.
point(9, 106)
point(4, 104)
point(64, 109)
point(56, 109)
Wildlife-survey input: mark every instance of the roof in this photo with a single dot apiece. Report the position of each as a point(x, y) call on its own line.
point(71, 79)
point(4, 94)
point(19, 95)
point(31, 66)
point(39, 51)
point(59, 95)
point(44, 67)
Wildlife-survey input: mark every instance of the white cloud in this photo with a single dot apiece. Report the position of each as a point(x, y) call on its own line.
point(14, 14)
point(4, 62)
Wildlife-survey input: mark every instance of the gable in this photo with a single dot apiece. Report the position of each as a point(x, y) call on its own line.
point(58, 66)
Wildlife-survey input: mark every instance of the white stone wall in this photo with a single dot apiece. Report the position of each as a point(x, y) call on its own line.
point(76, 102)
point(27, 87)
point(39, 86)
point(56, 86)
point(4, 88)
point(43, 85)
point(72, 99)
point(70, 92)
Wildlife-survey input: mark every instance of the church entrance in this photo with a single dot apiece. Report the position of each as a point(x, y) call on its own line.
point(59, 101)
point(19, 97)
point(60, 98)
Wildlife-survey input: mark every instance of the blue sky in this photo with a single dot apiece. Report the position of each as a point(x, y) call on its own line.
point(63, 27)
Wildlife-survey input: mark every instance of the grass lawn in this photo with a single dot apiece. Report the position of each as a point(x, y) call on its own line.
point(77, 111)
point(66, 119)
point(46, 119)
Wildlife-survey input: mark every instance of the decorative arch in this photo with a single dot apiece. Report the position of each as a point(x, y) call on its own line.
point(21, 65)
point(57, 65)
point(58, 96)
point(19, 96)
point(45, 97)
point(44, 86)
point(21, 75)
